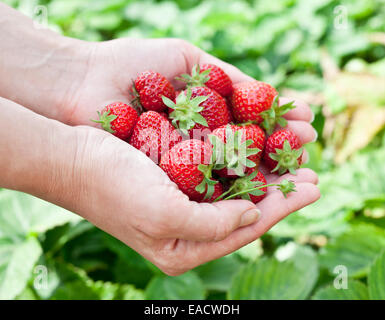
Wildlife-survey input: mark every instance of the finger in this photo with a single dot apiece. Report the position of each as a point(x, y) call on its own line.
point(234, 73)
point(274, 208)
point(304, 130)
point(212, 222)
point(303, 175)
point(302, 110)
point(305, 157)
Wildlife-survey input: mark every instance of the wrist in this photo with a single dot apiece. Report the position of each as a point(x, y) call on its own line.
point(39, 156)
point(39, 69)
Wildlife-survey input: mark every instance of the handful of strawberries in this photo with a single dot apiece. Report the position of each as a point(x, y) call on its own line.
point(211, 137)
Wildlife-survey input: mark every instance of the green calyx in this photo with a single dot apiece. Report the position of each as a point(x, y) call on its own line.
point(244, 187)
point(234, 153)
point(136, 101)
point(105, 119)
point(186, 111)
point(207, 182)
point(274, 115)
point(197, 77)
point(287, 158)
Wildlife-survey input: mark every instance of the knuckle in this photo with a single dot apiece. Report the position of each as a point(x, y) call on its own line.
point(184, 44)
point(157, 230)
point(222, 229)
point(170, 263)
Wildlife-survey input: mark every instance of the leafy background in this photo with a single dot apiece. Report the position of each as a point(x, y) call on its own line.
point(308, 51)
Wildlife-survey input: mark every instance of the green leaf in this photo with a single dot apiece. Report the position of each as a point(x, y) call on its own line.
point(376, 278)
point(16, 265)
point(72, 283)
point(131, 267)
point(251, 251)
point(21, 214)
point(345, 189)
point(356, 291)
point(217, 274)
point(356, 249)
point(186, 286)
point(270, 279)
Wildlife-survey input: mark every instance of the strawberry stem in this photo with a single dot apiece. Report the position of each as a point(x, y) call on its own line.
point(105, 119)
point(286, 186)
point(186, 111)
point(286, 158)
point(197, 78)
point(274, 115)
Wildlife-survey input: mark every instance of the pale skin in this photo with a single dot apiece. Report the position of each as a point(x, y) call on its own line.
point(51, 150)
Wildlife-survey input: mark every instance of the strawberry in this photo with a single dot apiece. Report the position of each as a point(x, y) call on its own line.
point(149, 87)
point(253, 187)
point(254, 179)
point(230, 119)
point(218, 190)
point(119, 119)
point(211, 76)
point(188, 164)
point(258, 102)
point(242, 147)
point(283, 152)
point(153, 135)
point(198, 108)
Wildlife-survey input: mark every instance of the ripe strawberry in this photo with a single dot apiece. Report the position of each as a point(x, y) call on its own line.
point(254, 179)
point(153, 135)
point(258, 102)
point(198, 108)
point(119, 119)
point(211, 76)
point(283, 152)
point(242, 147)
point(188, 164)
point(149, 87)
point(218, 190)
point(230, 119)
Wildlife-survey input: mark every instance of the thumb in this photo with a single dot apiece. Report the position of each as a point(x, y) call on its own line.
point(214, 222)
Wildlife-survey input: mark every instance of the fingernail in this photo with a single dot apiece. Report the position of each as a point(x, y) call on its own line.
point(315, 136)
point(250, 217)
point(312, 117)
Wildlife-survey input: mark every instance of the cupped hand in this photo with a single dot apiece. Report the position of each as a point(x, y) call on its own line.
point(134, 200)
point(124, 193)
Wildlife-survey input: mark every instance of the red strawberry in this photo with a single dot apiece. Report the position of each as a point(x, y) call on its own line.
point(198, 108)
point(211, 76)
point(228, 104)
point(254, 179)
point(258, 101)
point(218, 190)
point(149, 87)
point(153, 135)
point(119, 119)
point(283, 152)
point(188, 164)
point(219, 80)
point(253, 187)
point(236, 148)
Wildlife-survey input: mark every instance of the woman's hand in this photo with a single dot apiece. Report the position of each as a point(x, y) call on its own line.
point(122, 192)
point(102, 178)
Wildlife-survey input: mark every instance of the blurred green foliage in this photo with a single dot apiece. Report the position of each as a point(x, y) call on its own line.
point(292, 44)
